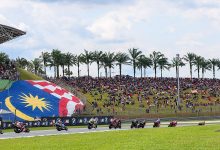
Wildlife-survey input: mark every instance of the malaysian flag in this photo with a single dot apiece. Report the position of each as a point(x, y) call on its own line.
point(34, 99)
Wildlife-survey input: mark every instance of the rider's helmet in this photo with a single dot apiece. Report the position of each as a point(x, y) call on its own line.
point(58, 120)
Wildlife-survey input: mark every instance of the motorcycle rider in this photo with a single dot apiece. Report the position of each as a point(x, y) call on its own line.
point(92, 120)
point(113, 120)
point(59, 122)
point(19, 124)
point(157, 121)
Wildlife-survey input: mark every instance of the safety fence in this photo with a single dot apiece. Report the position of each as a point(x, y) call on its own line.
point(68, 121)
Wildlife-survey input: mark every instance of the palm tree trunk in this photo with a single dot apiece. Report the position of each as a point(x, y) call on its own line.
point(55, 71)
point(88, 69)
point(63, 70)
point(203, 72)
point(161, 72)
point(190, 65)
point(144, 72)
point(120, 70)
point(155, 71)
point(45, 69)
point(134, 67)
point(106, 71)
point(141, 72)
point(110, 74)
point(35, 70)
point(58, 74)
point(198, 72)
point(68, 67)
point(78, 68)
point(98, 68)
point(213, 72)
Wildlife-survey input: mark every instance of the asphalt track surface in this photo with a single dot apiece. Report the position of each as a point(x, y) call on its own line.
point(38, 133)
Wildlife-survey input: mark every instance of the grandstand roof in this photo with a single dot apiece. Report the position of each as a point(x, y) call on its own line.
point(8, 33)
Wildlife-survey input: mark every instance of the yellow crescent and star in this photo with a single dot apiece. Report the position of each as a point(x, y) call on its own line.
point(29, 101)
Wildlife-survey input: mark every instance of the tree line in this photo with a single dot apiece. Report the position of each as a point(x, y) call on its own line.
point(107, 60)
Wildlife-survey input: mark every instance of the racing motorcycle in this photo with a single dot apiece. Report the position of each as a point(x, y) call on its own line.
point(61, 126)
point(92, 125)
point(173, 124)
point(136, 124)
point(115, 123)
point(156, 124)
point(21, 127)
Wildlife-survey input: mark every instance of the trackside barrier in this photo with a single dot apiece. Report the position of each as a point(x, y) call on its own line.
point(68, 121)
point(176, 118)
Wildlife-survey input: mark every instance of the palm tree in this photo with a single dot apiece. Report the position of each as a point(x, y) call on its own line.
point(78, 62)
point(104, 64)
point(3, 58)
point(214, 63)
point(37, 65)
point(175, 63)
point(134, 56)
point(97, 57)
point(87, 59)
point(63, 62)
point(21, 62)
point(109, 60)
point(205, 65)
point(30, 67)
point(144, 62)
point(121, 58)
point(198, 61)
point(56, 57)
point(45, 57)
point(189, 57)
point(70, 60)
point(155, 58)
point(163, 64)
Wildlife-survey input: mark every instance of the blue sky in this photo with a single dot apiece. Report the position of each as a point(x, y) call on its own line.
point(168, 26)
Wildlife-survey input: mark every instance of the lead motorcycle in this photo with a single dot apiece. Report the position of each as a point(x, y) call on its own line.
point(173, 124)
point(138, 124)
point(20, 127)
point(115, 123)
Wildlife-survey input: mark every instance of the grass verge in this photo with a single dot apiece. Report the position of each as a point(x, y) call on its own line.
point(181, 138)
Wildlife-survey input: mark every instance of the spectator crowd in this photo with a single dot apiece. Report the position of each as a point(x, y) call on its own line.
point(8, 71)
point(160, 93)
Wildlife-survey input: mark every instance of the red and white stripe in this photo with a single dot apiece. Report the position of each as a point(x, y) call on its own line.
point(68, 102)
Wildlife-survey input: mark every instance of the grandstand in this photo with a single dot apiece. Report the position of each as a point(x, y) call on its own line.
point(8, 33)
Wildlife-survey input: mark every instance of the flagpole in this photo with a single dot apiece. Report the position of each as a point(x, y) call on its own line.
point(178, 80)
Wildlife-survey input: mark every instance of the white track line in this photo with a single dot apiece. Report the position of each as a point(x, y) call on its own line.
point(66, 133)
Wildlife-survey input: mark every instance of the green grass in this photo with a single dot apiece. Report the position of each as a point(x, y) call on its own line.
point(181, 138)
point(4, 84)
point(25, 75)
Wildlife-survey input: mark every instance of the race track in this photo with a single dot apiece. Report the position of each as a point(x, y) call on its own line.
point(11, 135)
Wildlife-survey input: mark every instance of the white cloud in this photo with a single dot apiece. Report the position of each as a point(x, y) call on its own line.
point(115, 24)
point(191, 40)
